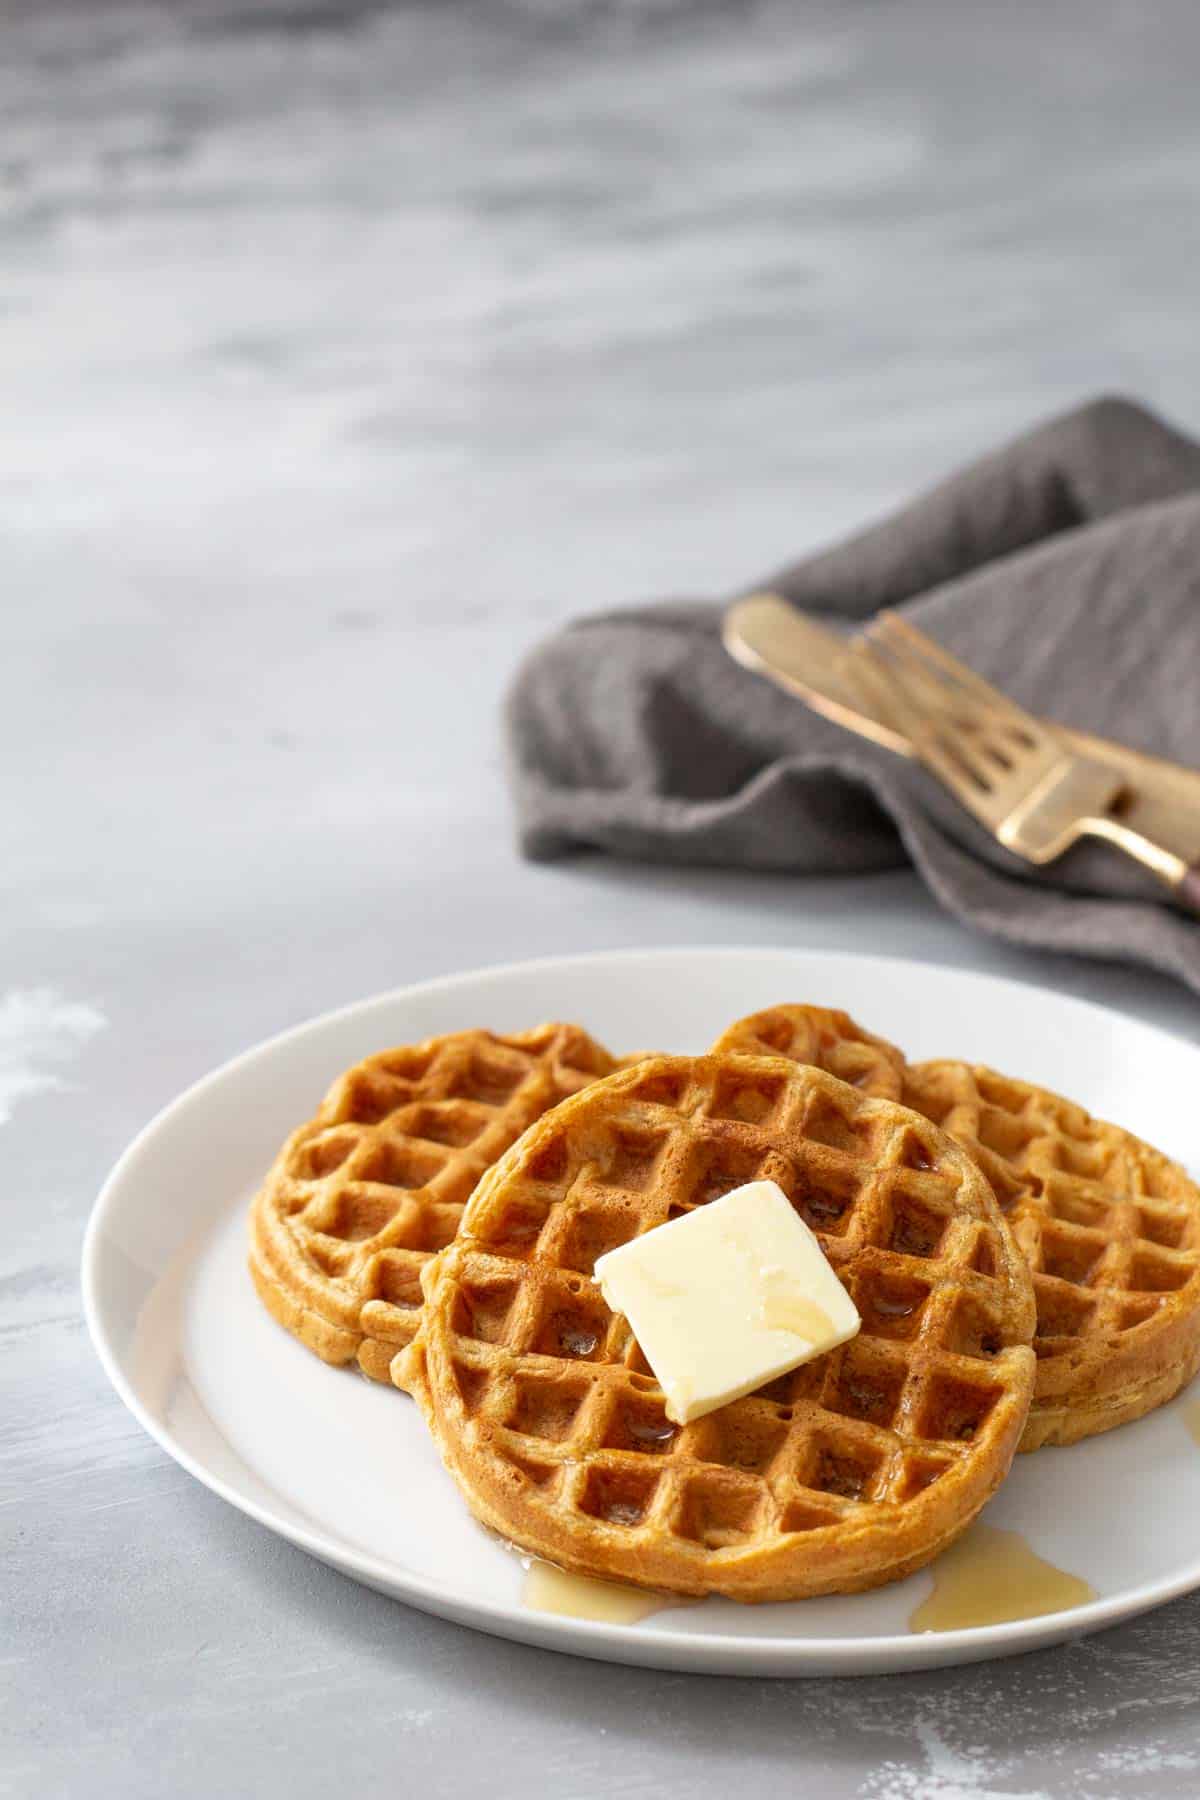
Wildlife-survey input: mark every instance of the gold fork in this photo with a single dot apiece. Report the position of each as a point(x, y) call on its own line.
point(1016, 775)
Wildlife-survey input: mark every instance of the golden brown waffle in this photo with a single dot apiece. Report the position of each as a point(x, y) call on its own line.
point(1109, 1226)
point(825, 1038)
point(1111, 1231)
point(853, 1470)
point(361, 1197)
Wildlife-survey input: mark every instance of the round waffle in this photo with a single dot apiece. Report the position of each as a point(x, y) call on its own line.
point(361, 1197)
point(1109, 1226)
point(1111, 1231)
point(853, 1470)
point(825, 1038)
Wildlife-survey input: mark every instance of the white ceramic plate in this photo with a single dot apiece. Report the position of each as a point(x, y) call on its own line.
point(344, 1468)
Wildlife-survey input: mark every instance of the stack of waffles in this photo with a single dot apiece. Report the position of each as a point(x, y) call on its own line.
point(1025, 1275)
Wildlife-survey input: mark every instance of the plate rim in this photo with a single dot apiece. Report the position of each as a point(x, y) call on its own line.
point(701, 1652)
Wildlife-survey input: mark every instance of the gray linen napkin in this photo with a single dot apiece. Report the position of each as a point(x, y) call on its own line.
point(1065, 567)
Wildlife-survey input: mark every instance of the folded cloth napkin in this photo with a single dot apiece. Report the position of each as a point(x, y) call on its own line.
point(1065, 567)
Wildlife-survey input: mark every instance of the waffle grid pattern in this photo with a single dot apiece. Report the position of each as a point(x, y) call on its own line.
point(361, 1197)
point(826, 1039)
point(552, 1389)
point(1109, 1227)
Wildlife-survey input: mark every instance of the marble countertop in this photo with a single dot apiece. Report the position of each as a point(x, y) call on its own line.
point(348, 348)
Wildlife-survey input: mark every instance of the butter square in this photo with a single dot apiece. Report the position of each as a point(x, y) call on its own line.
point(727, 1297)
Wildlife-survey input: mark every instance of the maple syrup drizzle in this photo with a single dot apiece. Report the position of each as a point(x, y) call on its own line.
point(552, 1590)
point(786, 1310)
point(989, 1577)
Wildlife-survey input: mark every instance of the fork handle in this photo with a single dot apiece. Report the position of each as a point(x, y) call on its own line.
point(1181, 877)
point(1187, 888)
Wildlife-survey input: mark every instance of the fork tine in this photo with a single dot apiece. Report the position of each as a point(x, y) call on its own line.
point(896, 632)
point(889, 690)
point(882, 685)
point(989, 742)
point(947, 715)
point(965, 736)
point(925, 683)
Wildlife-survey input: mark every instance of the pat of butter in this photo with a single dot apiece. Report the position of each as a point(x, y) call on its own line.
point(727, 1297)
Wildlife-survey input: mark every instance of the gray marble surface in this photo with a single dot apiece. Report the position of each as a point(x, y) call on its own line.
point(347, 348)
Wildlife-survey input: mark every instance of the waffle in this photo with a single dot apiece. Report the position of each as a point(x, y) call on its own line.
point(826, 1039)
point(1110, 1227)
point(851, 1471)
point(360, 1198)
point(1111, 1231)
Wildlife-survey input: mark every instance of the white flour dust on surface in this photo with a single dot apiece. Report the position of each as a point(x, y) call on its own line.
point(945, 1774)
point(1148, 1759)
point(38, 1029)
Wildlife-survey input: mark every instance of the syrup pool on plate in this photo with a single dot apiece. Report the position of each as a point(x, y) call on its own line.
point(989, 1577)
point(552, 1590)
